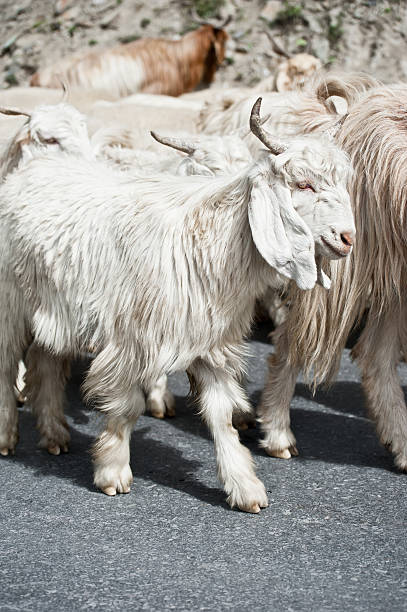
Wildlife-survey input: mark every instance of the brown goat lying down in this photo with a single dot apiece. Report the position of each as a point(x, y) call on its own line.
point(149, 65)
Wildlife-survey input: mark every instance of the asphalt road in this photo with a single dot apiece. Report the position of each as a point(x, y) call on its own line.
point(333, 537)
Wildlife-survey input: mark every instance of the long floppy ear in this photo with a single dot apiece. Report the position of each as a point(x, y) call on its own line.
point(280, 235)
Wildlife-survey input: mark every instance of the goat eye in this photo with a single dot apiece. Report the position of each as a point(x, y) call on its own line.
point(51, 140)
point(304, 186)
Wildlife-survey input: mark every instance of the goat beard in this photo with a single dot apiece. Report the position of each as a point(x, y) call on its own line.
point(322, 278)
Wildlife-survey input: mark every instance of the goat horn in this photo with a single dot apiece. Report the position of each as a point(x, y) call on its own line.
point(255, 125)
point(202, 22)
point(225, 22)
point(333, 132)
point(276, 47)
point(13, 111)
point(175, 143)
point(65, 88)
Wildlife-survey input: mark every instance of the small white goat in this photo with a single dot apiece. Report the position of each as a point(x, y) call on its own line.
point(160, 274)
point(59, 127)
point(50, 126)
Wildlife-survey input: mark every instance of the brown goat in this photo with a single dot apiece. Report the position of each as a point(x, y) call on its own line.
point(150, 65)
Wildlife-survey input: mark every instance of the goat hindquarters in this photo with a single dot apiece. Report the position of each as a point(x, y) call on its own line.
point(377, 353)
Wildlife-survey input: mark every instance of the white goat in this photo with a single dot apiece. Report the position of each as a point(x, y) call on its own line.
point(160, 274)
point(311, 108)
point(49, 126)
point(59, 127)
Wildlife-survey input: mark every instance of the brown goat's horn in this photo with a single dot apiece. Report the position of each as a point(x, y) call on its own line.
point(276, 47)
point(211, 22)
point(175, 143)
point(13, 111)
point(266, 138)
point(225, 22)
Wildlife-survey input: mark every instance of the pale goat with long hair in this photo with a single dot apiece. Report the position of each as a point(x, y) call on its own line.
point(59, 127)
point(189, 154)
point(160, 274)
point(292, 112)
point(149, 65)
point(371, 281)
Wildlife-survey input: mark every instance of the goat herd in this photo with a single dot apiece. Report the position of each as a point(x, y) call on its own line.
point(153, 257)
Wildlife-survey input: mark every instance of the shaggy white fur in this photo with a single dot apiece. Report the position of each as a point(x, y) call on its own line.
point(159, 274)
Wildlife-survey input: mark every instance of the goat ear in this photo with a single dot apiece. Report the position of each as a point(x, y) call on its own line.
point(219, 42)
point(280, 235)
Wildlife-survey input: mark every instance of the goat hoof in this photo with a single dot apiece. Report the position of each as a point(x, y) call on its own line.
point(250, 496)
point(110, 491)
point(54, 450)
point(169, 404)
point(112, 480)
point(401, 462)
point(4, 452)
point(282, 453)
point(161, 407)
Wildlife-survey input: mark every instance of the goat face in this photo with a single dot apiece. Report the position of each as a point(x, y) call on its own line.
point(298, 211)
point(215, 39)
point(300, 208)
point(60, 126)
point(317, 174)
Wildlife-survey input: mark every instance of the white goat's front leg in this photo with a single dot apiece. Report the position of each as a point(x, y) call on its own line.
point(160, 400)
point(111, 451)
point(219, 393)
point(44, 389)
point(378, 353)
point(274, 409)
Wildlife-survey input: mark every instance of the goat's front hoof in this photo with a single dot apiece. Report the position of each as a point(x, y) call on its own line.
point(279, 443)
point(8, 442)
point(55, 449)
point(400, 459)
point(285, 453)
point(112, 480)
point(250, 496)
point(55, 436)
point(160, 407)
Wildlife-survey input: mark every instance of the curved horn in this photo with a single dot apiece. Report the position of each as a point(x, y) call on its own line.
point(175, 143)
point(202, 21)
point(225, 22)
point(13, 111)
point(64, 87)
point(255, 125)
point(333, 132)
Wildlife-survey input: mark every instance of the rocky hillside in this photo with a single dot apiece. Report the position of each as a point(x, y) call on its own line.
point(368, 35)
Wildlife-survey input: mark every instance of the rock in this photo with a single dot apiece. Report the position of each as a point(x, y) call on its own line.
point(271, 10)
point(61, 6)
point(71, 14)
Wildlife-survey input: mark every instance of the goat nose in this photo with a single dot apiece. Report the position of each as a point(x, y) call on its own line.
point(347, 239)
